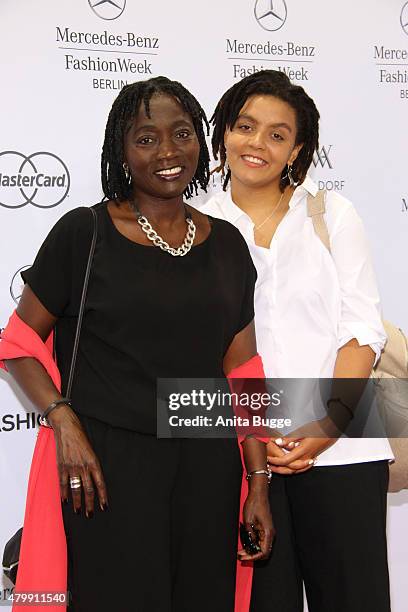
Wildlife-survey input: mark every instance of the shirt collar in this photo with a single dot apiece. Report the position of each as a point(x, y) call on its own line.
point(230, 210)
point(307, 187)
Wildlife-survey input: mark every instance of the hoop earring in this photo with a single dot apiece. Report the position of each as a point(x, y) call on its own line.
point(126, 171)
point(289, 175)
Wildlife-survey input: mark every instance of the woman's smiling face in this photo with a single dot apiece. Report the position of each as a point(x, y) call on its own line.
point(262, 141)
point(162, 150)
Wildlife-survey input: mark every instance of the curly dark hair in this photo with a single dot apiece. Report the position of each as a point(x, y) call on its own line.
point(125, 107)
point(277, 84)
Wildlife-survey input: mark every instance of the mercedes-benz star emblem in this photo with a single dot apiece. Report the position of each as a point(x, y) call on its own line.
point(271, 14)
point(17, 285)
point(404, 18)
point(107, 9)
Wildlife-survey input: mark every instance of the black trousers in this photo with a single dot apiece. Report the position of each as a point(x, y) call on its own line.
point(331, 536)
point(168, 541)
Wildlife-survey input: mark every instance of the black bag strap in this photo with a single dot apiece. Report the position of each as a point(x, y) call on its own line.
point(82, 304)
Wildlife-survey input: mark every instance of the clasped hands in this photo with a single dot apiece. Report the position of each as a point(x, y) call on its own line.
point(297, 453)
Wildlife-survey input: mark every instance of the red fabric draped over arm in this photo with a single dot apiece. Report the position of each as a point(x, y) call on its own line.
point(253, 368)
point(43, 554)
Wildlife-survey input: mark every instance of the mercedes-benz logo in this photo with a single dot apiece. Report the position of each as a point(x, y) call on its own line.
point(41, 179)
point(271, 14)
point(107, 9)
point(404, 18)
point(17, 285)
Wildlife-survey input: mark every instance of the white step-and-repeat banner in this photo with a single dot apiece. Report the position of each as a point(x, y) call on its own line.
point(64, 62)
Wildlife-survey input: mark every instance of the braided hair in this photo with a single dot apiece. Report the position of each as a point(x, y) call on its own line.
point(277, 84)
point(116, 185)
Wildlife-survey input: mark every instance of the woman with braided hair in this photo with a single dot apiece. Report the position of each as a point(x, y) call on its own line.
point(316, 316)
point(151, 524)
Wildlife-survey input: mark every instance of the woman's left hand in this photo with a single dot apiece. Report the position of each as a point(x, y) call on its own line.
point(307, 450)
point(258, 520)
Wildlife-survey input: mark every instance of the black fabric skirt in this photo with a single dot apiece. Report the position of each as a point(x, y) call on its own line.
point(168, 540)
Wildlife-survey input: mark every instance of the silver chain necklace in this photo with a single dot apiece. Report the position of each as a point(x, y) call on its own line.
point(158, 241)
point(257, 227)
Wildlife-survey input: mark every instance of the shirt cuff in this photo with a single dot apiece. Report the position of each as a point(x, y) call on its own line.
point(365, 335)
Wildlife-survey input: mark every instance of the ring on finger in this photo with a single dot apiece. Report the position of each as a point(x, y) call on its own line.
point(75, 482)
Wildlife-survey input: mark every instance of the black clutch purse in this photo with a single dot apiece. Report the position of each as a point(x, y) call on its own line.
point(251, 546)
point(11, 552)
point(11, 555)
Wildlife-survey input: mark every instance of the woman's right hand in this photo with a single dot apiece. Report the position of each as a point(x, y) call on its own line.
point(75, 457)
point(274, 451)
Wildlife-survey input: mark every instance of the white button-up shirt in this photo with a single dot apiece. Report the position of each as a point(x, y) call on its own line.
point(309, 302)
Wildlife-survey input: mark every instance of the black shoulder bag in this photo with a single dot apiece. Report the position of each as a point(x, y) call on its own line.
point(12, 548)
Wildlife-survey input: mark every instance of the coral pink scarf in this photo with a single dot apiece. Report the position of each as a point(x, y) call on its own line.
point(43, 553)
point(253, 368)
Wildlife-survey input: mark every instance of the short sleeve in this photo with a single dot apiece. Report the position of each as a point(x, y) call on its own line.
point(51, 275)
point(360, 302)
point(247, 312)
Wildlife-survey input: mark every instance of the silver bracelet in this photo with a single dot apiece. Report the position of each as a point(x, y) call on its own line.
point(267, 473)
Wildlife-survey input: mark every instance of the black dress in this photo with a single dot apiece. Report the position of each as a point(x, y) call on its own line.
point(168, 541)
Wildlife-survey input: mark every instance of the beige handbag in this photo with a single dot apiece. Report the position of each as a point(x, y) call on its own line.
point(390, 374)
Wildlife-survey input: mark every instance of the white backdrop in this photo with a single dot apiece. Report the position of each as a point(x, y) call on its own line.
point(64, 62)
